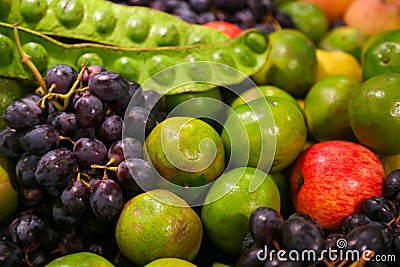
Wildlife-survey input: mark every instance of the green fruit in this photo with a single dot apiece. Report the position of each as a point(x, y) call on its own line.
point(230, 203)
point(261, 91)
point(268, 133)
point(374, 113)
point(158, 224)
point(283, 185)
point(80, 259)
point(308, 18)
point(326, 107)
point(345, 38)
point(186, 151)
point(170, 262)
point(8, 194)
point(291, 62)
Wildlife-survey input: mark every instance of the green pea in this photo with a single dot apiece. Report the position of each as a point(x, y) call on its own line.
point(89, 59)
point(38, 54)
point(158, 68)
point(108, 23)
point(256, 42)
point(70, 13)
point(33, 10)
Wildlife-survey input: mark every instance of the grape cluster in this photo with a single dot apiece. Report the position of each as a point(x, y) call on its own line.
point(74, 168)
point(261, 14)
point(373, 231)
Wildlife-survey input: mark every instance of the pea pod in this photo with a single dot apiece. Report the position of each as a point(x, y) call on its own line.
point(105, 22)
point(245, 54)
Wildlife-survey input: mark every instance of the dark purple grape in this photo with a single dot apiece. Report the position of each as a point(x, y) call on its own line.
point(387, 232)
point(244, 18)
point(284, 19)
point(138, 123)
point(266, 225)
point(124, 149)
point(65, 123)
point(40, 139)
point(10, 145)
point(331, 241)
point(89, 110)
point(111, 128)
point(301, 235)
point(261, 8)
point(308, 218)
point(365, 237)
point(206, 16)
point(186, 14)
point(396, 245)
point(136, 174)
point(62, 218)
point(90, 151)
point(266, 27)
point(152, 100)
point(10, 254)
point(70, 243)
point(200, 5)
point(251, 258)
point(391, 185)
point(106, 199)
point(87, 132)
point(248, 242)
point(63, 76)
point(229, 5)
point(137, 2)
point(26, 232)
point(89, 72)
point(378, 209)
point(285, 261)
point(40, 258)
point(75, 198)
point(354, 220)
point(134, 98)
point(25, 170)
point(92, 227)
point(159, 5)
point(50, 239)
point(31, 197)
point(55, 169)
point(22, 114)
point(108, 86)
point(175, 4)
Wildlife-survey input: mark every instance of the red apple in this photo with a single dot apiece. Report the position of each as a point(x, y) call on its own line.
point(373, 16)
point(331, 180)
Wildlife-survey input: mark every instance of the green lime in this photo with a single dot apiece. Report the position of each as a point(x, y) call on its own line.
point(291, 62)
point(345, 38)
point(158, 224)
point(308, 18)
point(230, 203)
point(374, 113)
point(186, 151)
point(326, 107)
point(80, 259)
point(382, 55)
point(8, 194)
point(267, 133)
point(261, 91)
point(170, 262)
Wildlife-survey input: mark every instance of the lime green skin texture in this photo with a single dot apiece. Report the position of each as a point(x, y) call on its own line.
point(382, 55)
point(108, 23)
point(226, 220)
point(170, 262)
point(347, 39)
point(327, 105)
point(246, 53)
point(291, 62)
point(374, 113)
point(307, 18)
point(81, 259)
point(158, 224)
point(8, 194)
point(186, 151)
point(271, 125)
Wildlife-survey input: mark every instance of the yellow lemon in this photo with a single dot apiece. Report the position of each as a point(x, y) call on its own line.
point(331, 63)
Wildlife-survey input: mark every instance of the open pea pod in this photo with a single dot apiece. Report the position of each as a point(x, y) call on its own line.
point(178, 69)
point(105, 22)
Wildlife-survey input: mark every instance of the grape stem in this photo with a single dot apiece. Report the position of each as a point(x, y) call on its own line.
point(27, 259)
point(27, 60)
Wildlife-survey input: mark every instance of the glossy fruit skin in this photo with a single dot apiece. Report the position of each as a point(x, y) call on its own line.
point(164, 226)
point(228, 28)
point(230, 204)
point(330, 180)
point(374, 113)
point(80, 259)
point(291, 64)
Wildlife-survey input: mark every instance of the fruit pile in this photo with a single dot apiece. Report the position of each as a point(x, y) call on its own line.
point(289, 158)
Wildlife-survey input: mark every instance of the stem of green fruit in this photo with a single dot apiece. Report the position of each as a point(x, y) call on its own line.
point(27, 60)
